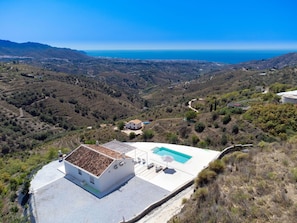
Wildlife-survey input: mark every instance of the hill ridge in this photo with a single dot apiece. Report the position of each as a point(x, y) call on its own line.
point(38, 51)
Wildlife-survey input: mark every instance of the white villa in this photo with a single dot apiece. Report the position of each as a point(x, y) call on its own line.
point(101, 168)
point(134, 124)
point(288, 97)
point(113, 181)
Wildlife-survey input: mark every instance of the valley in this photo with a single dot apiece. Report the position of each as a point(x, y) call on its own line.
point(48, 105)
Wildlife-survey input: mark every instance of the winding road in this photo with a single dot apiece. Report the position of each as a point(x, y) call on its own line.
point(190, 105)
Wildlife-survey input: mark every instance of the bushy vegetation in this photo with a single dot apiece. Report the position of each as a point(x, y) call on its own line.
point(199, 127)
point(16, 170)
point(190, 115)
point(58, 105)
point(276, 119)
point(147, 134)
point(256, 185)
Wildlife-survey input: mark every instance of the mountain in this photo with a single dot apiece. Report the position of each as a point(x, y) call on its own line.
point(38, 51)
point(123, 74)
point(289, 59)
point(62, 102)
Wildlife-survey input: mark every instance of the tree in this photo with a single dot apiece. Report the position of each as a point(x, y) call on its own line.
point(199, 127)
point(121, 125)
point(195, 140)
point(147, 134)
point(172, 138)
point(226, 119)
point(214, 116)
point(224, 140)
point(235, 129)
point(190, 115)
point(132, 135)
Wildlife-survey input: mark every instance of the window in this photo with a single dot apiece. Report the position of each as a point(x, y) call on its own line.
point(92, 179)
point(79, 171)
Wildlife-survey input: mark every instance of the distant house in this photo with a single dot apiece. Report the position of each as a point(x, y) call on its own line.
point(288, 97)
point(134, 124)
point(99, 167)
point(260, 88)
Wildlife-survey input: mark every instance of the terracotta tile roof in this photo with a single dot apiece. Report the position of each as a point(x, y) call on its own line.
point(92, 158)
point(113, 154)
point(135, 121)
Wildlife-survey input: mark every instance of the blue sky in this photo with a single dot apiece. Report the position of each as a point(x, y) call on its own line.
point(153, 24)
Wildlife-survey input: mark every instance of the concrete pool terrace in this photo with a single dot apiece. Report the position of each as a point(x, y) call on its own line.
point(181, 172)
point(52, 192)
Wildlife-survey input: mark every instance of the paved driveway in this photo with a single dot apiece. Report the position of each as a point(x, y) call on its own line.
point(63, 201)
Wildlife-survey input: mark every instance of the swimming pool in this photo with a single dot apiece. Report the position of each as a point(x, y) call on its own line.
point(179, 157)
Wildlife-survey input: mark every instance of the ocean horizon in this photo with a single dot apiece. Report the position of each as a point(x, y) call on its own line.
point(220, 56)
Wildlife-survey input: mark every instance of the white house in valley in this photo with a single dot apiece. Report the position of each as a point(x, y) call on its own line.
point(99, 167)
point(134, 124)
point(288, 97)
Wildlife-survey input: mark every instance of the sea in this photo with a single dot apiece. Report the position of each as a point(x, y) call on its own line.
point(220, 56)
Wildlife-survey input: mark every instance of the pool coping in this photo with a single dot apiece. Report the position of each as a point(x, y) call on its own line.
point(172, 183)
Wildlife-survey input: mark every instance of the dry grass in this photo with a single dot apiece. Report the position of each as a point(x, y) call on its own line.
point(258, 187)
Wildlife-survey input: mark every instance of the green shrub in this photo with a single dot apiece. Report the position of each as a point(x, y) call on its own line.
point(2, 188)
point(172, 138)
point(214, 116)
point(72, 101)
point(90, 141)
point(13, 183)
point(13, 196)
point(195, 140)
point(294, 174)
point(14, 209)
point(226, 119)
point(241, 156)
point(51, 154)
point(201, 193)
point(190, 115)
point(169, 109)
point(202, 144)
point(132, 135)
point(147, 134)
point(236, 110)
point(199, 127)
point(204, 177)
point(235, 129)
point(224, 140)
point(184, 200)
point(217, 166)
point(121, 125)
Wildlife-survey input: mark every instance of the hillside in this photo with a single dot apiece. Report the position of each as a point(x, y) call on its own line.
point(37, 51)
point(48, 106)
point(121, 73)
point(258, 186)
point(37, 104)
point(131, 76)
point(279, 62)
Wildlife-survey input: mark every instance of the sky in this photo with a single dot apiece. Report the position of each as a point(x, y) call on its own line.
point(151, 24)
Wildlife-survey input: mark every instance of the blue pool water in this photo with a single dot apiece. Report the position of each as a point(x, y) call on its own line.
point(179, 157)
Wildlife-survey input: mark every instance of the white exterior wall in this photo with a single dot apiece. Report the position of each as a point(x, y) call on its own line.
point(108, 179)
point(111, 176)
point(84, 177)
point(132, 125)
point(289, 99)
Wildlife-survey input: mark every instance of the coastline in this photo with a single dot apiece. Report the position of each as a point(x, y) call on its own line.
point(220, 56)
